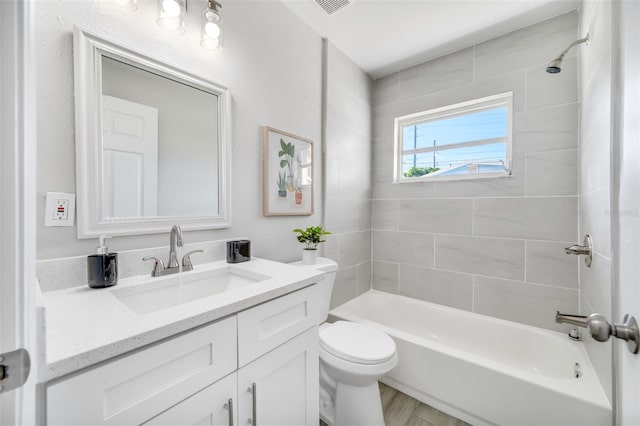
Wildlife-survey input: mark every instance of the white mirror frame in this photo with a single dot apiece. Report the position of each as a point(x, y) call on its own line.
point(88, 51)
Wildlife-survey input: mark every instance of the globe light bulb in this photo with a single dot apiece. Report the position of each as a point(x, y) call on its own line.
point(212, 30)
point(171, 8)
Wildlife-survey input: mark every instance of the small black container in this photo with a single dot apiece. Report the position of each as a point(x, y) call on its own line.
point(238, 251)
point(102, 270)
point(102, 267)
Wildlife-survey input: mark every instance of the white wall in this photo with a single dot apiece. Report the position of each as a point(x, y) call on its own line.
point(348, 174)
point(595, 172)
point(271, 62)
point(492, 246)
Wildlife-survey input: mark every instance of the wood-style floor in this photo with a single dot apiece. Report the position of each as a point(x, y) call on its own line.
point(402, 410)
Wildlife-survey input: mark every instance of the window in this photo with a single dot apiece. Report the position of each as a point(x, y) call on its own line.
point(462, 141)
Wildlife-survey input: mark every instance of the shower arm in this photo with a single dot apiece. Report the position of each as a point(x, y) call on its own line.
point(575, 43)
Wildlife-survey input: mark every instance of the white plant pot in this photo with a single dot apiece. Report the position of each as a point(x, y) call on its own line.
point(309, 257)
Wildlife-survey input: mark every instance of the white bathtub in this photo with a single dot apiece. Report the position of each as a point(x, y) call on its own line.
point(481, 369)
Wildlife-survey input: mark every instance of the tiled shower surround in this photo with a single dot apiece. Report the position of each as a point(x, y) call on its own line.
point(348, 174)
point(595, 129)
point(492, 246)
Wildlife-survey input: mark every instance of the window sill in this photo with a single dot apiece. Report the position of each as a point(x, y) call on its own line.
point(479, 176)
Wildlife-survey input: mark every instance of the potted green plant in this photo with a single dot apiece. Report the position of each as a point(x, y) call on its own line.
point(298, 195)
point(282, 186)
point(288, 151)
point(311, 238)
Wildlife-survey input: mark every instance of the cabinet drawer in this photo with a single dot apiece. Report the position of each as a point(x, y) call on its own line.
point(133, 389)
point(266, 326)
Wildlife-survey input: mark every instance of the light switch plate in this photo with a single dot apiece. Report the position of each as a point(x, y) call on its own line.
point(60, 209)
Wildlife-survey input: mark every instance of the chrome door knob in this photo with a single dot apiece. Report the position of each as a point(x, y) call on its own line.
point(601, 329)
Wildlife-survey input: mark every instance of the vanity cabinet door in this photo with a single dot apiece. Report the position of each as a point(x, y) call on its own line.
point(285, 382)
point(137, 387)
point(212, 406)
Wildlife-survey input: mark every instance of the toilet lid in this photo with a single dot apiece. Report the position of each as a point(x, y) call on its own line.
point(357, 343)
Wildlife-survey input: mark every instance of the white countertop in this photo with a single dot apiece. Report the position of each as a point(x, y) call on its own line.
point(85, 326)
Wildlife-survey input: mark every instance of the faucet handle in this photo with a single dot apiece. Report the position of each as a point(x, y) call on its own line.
point(186, 260)
point(158, 266)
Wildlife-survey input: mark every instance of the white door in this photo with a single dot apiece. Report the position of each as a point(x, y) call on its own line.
point(281, 387)
point(626, 201)
point(130, 158)
point(18, 204)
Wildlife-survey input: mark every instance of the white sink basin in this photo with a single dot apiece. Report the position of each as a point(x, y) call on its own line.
point(156, 294)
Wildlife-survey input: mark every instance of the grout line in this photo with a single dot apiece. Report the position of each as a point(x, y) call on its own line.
point(480, 236)
point(475, 275)
point(526, 89)
point(500, 197)
point(473, 217)
point(473, 294)
point(473, 64)
point(551, 151)
point(434, 251)
point(397, 218)
point(525, 259)
point(547, 107)
point(577, 103)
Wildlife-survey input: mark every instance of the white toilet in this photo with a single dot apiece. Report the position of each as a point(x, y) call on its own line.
point(352, 359)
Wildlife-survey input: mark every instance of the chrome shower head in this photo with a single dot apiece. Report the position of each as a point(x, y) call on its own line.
point(555, 66)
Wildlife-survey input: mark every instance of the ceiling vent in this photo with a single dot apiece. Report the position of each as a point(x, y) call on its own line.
point(332, 6)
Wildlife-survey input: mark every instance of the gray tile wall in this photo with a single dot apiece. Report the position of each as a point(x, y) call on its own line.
point(348, 174)
point(492, 246)
point(594, 194)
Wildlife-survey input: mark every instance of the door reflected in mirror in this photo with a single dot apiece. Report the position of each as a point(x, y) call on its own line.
point(159, 145)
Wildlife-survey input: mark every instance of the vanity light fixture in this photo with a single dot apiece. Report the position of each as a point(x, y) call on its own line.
point(171, 15)
point(211, 37)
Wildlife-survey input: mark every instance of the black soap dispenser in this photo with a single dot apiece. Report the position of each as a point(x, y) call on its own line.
point(102, 267)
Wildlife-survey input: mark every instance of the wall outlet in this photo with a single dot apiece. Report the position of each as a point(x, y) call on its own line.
point(59, 209)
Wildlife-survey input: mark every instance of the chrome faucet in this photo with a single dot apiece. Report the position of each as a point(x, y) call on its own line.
point(173, 266)
point(175, 241)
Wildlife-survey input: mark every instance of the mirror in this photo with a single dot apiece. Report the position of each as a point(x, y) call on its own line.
point(152, 143)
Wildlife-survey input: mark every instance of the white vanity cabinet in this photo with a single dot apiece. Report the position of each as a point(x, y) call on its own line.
point(259, 364)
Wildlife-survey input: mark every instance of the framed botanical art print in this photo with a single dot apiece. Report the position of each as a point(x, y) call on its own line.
point(288, 174)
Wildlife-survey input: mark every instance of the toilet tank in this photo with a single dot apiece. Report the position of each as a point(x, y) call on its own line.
point(325, 286)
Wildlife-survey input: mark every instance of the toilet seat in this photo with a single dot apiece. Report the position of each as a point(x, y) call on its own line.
point(357, 343)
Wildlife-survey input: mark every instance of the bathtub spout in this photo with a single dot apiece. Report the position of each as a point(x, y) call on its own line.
point(579, 320)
